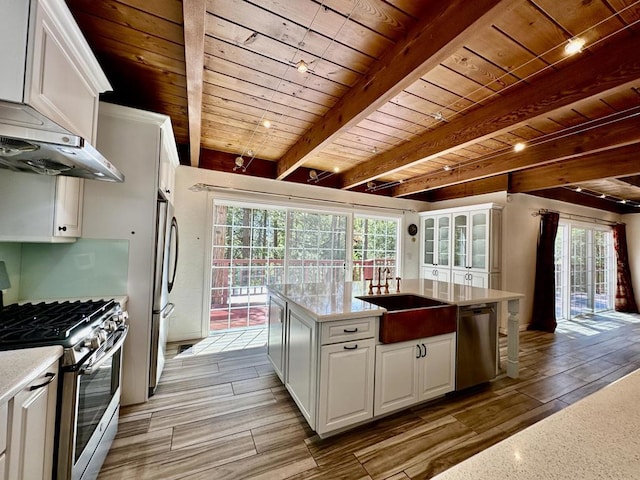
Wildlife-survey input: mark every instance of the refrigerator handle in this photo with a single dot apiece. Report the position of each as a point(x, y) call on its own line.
point(174, 234)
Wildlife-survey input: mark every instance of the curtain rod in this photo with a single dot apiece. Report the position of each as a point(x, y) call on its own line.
point(571, 215)
point(203, 187)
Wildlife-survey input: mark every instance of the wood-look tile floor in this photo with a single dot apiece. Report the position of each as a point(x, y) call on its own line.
point(227, 416)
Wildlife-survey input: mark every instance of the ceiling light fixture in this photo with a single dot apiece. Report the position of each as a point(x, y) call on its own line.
point(239, 161)
point(302, 66)
point(313, 175)
point(447, 168)
point(603, 196)
point(250, 152)
point(371, 185)
point(623, 201)
point(374, 150)
point(518, 147)
point(266, 124)
point(578, 189)
point(438, 116)
point(574, 45)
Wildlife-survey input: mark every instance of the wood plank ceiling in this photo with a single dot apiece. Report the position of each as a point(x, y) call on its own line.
point(416, 98)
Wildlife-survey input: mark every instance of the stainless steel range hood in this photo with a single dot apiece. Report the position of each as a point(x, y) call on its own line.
point(29, 142)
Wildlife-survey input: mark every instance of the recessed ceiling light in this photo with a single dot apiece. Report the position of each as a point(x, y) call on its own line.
point(438, 116)
point(574, 45)
point(447, 168)
point(518, 147)
point(302, 66)
point(578, 189)
point(239, 161)
point(623, 201)
point(603, 196)
point(336, 169)
point(267, 124)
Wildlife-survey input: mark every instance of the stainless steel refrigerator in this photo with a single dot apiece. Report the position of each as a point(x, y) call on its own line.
point(164, 277)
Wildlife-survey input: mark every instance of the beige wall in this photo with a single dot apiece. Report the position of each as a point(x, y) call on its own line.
point(193, 213)
point(633, 242)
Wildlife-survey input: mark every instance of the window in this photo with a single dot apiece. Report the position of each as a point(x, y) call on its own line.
point(375, 245)
point(253, 246)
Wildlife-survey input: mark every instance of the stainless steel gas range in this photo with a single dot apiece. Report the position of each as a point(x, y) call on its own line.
point(92, 334)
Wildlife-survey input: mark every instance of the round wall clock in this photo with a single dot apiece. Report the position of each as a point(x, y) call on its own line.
point(412, 229)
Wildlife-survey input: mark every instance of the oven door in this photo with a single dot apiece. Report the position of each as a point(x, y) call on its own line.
point(89, 411)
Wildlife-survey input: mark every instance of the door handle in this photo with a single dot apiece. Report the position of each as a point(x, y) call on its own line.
point(351, 330)
point(346, 347)
point(49, 375)
point(419, 351)
point(425, 350)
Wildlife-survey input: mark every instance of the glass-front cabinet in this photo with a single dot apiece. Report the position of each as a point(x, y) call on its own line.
point(436, 245)
point(462, 245)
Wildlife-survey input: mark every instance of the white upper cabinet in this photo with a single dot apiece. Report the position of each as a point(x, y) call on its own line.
point(436, 240)
point(49, 65)
point(463, 245)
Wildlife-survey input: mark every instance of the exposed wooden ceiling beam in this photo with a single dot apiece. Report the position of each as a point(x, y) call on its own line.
point(613, 67)
point(569, 196)
point(614, 131)
point(498, 183)
point(443, 29)
point(633, 180)
point(608, 164)
point(194, 13)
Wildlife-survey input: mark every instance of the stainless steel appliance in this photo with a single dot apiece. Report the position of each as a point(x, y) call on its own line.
point(164, 277)
point(30, 142)
point(92, 334)
point(476, 351)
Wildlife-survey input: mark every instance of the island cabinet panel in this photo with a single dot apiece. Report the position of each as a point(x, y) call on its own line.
point(437, 367)
point(276, 335)
point(396, 380)
point(346, 330)
point(346, 384)
point(411, 372)
point(301, 360)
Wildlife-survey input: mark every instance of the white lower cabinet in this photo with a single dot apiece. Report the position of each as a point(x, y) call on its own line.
point(473, 279)
point(346, 384)
point(30, 429)
point(410, 372)
point(436, 273)
point(301, 359)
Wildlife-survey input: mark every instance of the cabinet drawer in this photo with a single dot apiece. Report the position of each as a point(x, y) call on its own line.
point(3, 426)
point(347, 330)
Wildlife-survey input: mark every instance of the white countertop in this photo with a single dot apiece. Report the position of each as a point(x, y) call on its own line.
point(19, 367)
point(595, 438)
point(328, 302)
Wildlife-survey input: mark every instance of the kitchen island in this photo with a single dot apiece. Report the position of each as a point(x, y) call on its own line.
point(324, 345)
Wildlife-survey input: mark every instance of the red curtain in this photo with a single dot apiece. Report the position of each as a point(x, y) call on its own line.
point(625, 301)
point(544, 294)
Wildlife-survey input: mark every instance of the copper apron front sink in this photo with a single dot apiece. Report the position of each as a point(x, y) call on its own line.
point(409, 317)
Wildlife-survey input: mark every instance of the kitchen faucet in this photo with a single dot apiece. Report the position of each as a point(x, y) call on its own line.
point(379, 285)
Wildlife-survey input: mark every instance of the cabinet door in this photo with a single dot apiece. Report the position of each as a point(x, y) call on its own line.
point(460, 240)
point(437, 366)
point(275, 344)
point(57, 88)
point(479, 240)
point(346, 384)
point(396, 383)
point(68, 207)
point(31, 427)
point(429, 241)
point(443, 225)
point(479, 280)
point(461, 277)
point(301, 364)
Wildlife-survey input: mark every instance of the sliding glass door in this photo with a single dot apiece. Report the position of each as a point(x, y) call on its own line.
point(585, 281)
point(254, 246)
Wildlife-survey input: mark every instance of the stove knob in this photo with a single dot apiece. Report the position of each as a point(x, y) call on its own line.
point(93, 342)
point(111, 325)
point(102, 336)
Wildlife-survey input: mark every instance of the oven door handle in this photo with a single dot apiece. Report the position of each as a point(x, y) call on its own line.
point(110, 353)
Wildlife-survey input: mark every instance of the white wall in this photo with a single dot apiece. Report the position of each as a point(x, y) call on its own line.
point(11, 255)
point(193, 212)
point(633, 244)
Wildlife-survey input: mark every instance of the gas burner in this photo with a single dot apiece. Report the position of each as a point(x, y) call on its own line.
point(56, 323)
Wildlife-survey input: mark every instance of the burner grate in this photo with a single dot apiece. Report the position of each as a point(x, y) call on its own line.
point(48, 323)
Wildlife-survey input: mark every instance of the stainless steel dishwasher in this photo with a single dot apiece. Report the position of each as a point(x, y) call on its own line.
point(476, 352)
